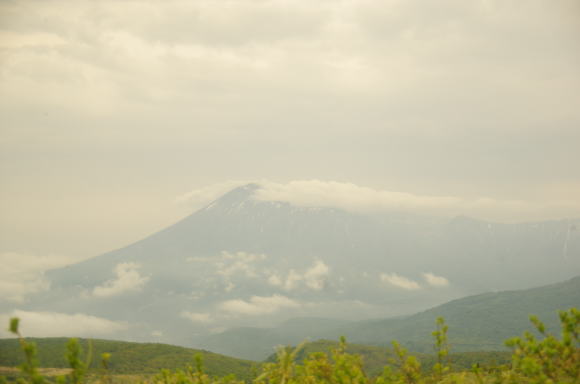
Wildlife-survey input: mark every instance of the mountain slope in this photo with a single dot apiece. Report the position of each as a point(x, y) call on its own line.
point(256, 343)
point(127, 357)
point(246, 262)
point(481, 322)
point(477, 322)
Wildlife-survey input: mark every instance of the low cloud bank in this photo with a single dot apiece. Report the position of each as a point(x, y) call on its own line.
point(54, 324)
point(258, 305)
point(22, 274)
point(354, 198)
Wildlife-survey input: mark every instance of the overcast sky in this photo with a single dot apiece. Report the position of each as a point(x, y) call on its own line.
point(112, 111)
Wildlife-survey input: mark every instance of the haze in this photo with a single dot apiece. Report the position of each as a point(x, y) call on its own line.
point(113, 112)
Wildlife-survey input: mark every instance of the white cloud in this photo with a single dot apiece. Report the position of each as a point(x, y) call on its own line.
point(313, 278)
point(201, 197)
point(292, 280)
point(53, 324)
point(275, 280)
point(434, 280)
point(354, 198)
point(317, 193)
point(127, 279)
point(259, 305)
point(23, 274)
point(351, 197)
point(400, 281)
point(157, 334)
point(244, 256)
point(238, 262)
point(196, 317)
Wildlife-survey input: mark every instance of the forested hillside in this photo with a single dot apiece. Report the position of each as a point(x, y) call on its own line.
point(480, 322)
point(127, 357)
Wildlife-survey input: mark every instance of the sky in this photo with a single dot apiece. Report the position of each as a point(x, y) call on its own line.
point(118, 118)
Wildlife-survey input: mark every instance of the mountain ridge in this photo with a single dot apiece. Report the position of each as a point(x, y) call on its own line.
point(476, 323)
point(243, 261)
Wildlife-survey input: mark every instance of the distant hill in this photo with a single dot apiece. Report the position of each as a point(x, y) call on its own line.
point(256, 343)
point(480, 322)
point(127, 357)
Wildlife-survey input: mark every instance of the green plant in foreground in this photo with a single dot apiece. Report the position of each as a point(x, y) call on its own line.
point(441, 348)
point(30, 365)
point(549, 360)
point(105, 373)
point(73, 355)
point(283, 370)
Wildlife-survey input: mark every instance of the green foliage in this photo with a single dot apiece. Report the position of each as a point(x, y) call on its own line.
point(30, 365)
point(441, 350)
point(549, 359)
point(375, 358)
point(14, 325)
point(125, 357)
point(73, 356)
point(536, 359)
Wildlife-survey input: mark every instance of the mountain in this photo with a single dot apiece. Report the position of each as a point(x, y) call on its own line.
point(476, 323)
point(126, 357)
point(256, 343)
point(481, 322)
point(246, 262)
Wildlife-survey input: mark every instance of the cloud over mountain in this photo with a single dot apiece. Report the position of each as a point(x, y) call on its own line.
point(258, 305)
point(400, 281)
point(127, 279)
point(434, 280)
point(360, 199)
point(54, 324)
point(313, 278)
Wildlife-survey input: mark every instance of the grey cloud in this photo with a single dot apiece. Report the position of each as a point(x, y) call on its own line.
point(450, 98)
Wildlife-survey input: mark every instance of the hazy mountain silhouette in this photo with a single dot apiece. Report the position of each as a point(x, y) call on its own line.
point(245, 262)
